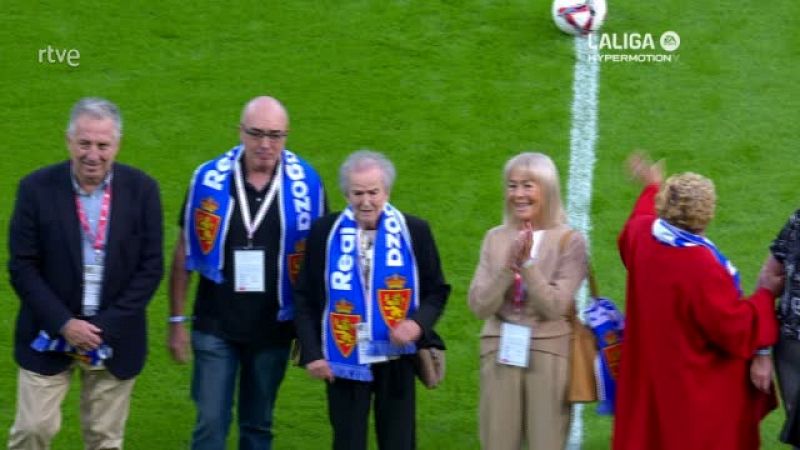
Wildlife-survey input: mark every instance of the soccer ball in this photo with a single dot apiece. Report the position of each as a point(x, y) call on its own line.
point(579, 17)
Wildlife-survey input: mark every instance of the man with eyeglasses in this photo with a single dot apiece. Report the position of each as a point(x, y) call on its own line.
point(243, 229)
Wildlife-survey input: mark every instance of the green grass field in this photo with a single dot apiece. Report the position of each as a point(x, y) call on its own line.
point(448, 90)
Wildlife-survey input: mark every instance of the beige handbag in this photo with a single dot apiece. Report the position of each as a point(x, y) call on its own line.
point(429, 361)
point(582, 383)
point(429, 365)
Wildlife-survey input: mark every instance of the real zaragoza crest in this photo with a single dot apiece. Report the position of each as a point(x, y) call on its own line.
point(295, 260)
point(612, 352)
point(344, 326)
point(206, 224)
point(394, 301)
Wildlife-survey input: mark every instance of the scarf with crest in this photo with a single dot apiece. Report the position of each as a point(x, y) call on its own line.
point(358, 318)
point(301, 200)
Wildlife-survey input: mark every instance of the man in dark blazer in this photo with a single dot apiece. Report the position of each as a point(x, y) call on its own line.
point(85, 246)
point(327, 322)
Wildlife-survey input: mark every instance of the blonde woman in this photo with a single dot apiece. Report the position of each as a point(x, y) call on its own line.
point(524, 287)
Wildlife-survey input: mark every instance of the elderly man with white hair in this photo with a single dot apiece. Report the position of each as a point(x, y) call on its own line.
point(86, 257)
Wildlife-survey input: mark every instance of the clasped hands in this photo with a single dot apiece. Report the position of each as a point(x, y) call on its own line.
point(82, 335)
point(521, 248)
point(405, 332)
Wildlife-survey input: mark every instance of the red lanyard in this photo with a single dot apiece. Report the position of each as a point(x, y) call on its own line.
point(518, 291)
point(99, 237)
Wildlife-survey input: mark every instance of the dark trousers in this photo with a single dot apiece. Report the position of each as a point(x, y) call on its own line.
point(786, 356)
point(393, 390)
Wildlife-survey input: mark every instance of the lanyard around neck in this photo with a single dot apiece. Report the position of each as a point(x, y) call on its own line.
point(99, 237)
point(244, 206)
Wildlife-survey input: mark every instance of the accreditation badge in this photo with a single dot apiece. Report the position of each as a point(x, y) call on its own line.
point(248, 269)
point(364, 339)
point(515, 345)
point(92, 287)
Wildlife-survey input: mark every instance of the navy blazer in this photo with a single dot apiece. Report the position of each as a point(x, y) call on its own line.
point(46, 265)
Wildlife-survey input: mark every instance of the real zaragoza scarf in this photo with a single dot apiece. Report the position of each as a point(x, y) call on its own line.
point(676, 237)
point(208, 213)
point(607, 325)
point(94, 358)
point(394, 295)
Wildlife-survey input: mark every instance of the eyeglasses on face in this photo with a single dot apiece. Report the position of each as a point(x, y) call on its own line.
point(272, 135)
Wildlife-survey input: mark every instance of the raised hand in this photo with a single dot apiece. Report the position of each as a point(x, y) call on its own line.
point(644, 170)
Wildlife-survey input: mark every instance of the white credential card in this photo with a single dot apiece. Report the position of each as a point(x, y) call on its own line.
point(92, 285)
point(248, 270)
point(363, 345)
point(515, 344)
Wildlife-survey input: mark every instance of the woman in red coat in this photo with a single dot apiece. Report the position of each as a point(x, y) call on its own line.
point(689, 334)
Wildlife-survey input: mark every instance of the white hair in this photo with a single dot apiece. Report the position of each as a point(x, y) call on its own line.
point(366, 159)
point(97, 108)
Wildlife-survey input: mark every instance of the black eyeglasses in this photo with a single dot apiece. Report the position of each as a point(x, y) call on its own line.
point(272, 135)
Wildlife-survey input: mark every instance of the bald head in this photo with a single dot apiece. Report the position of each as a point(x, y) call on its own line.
point(260, 108)
point(263, 132)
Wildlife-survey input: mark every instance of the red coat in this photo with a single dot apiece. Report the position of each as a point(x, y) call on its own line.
point(684, 373)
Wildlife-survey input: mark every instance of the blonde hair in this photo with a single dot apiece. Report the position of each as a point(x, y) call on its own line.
point(541, 169)
point(687, 201)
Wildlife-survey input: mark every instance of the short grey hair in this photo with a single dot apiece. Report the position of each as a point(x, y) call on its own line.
point(96, 108)
point(362, 160)
point(541, 169)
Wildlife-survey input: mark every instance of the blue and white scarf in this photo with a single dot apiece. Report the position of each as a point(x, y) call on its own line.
point(394, 293)
point(676, 237)
point(607, 324)
point(94, 358)
point(208, 213)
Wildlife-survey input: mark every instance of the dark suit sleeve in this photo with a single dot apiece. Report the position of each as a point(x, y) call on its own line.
point(134, 297)
point(433, 288)
point(309, 293)
point(24, 265)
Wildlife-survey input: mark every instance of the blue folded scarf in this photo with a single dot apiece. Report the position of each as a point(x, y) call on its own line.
point(94, 358)
point(607, 324)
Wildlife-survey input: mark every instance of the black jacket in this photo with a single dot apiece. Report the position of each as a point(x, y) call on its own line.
point(46, 267)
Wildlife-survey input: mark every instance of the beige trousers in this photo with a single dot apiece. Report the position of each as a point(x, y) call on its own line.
point(524, 404)
point(104, 405)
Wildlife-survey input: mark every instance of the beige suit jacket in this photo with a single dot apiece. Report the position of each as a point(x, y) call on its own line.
point(550, 285)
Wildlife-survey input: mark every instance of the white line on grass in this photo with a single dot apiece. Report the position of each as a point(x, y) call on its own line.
point(583, 137)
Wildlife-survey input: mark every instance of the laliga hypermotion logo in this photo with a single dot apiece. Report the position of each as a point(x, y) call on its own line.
point(669, 41)
point(634, 47)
